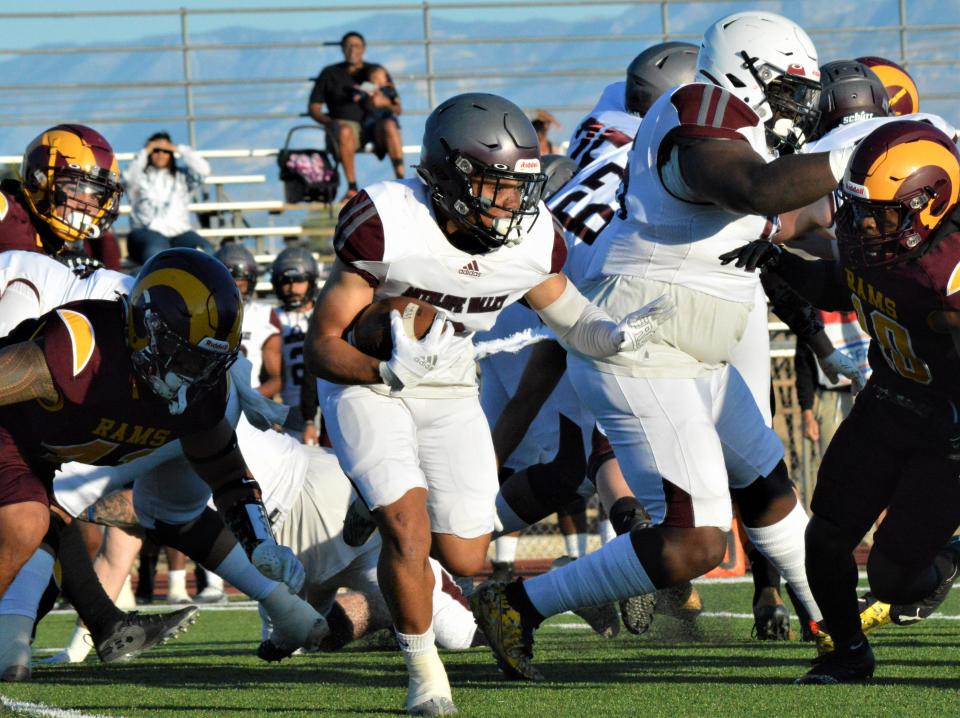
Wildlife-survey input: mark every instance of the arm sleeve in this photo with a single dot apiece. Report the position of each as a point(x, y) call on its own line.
point(582, 326)
point(20, 301)
point(795, 311)
point(819, 282)
point(803, 363)
point(309, 401)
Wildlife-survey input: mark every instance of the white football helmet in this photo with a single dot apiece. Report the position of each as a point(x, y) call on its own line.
point(770, 63)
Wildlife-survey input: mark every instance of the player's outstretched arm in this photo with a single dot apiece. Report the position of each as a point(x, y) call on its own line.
point(730, 174)
point(586, 328)
point(326, 353)
point(24, 375)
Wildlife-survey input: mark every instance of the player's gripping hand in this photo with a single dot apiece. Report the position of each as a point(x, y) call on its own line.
point(637, 327)
point(280, 564)
point(413, 360)
point(758, 254)
point(837, 364)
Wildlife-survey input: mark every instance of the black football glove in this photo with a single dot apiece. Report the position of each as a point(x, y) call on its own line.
point(759, 254)
point(80, 264)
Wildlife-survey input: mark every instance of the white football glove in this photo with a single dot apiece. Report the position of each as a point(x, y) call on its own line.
point(280, 564)
point(838, 364)
point(637, 327)
point(413, 360)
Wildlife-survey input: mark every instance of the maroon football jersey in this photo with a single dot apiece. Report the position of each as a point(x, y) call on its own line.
point(103, 415)
point(17, 230)
point(895, 305)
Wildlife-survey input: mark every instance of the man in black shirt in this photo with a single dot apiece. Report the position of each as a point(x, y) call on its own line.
point(362, 106)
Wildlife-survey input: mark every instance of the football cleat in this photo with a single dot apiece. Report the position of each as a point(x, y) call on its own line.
point(502, 624)
point(16, 674)
point(909, 613)
point(602, 619)
point(138, 632)
point(503, 571)
point(852, 664)
point(681, 601)
point(210, 595)
point(637, 612)
point(771, 622)
point(358, 524)
point(439, 706)
point(873, 613)
point(296, 624)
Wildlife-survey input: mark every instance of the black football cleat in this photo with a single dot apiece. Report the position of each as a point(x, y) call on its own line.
point(910, 613)
point(771, 622)
point(851, 664)
point(138, 632)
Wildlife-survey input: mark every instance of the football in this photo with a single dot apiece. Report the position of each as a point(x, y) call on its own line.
point(371, 329)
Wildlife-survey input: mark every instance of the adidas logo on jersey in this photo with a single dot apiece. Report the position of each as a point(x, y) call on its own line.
point(471, 269)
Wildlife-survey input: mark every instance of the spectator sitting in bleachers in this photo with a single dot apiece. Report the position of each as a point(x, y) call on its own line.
point(160, 191)
point(362, 107)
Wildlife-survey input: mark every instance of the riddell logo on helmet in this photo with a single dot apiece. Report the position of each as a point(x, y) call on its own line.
point(217, 345)
point(857, 189)
point(531, 166)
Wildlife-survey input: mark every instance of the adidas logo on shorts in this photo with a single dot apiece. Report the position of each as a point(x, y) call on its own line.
point(471, 269)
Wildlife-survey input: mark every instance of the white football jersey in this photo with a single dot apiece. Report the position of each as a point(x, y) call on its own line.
point(292, 325)
point(389, 235)
point(53, 284)
point(850, 134)
point(258, 326)
point(664, 238)
point(600, 146)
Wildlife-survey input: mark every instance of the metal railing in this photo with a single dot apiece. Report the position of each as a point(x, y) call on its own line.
point(426, 82)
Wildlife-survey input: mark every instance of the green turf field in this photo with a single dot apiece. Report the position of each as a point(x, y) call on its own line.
point(212, 671)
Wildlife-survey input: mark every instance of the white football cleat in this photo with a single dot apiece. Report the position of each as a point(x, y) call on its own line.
point(296, 624)
point(15, 647)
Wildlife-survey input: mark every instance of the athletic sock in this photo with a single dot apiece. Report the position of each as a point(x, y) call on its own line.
point(82, 587)
point(453, 623)
point(237, 569)
point(79, 645)
point(576, 544)
point(427, 676)
point(23, 595)
point(783, 544)
point(610, 574)
point(505, 549)
point(176, 582)
point(214, 581)
point(606, 532)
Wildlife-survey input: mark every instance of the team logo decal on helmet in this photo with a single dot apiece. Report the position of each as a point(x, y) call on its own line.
point(71, 182)
point(770, 63)
point(184, 315)
point(294, 264)
point(901, 89)
point(902, 181)
point(480, 157)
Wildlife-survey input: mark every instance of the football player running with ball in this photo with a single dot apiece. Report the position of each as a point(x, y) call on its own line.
point(409, 431)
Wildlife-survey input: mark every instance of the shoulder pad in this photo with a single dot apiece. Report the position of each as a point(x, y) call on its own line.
point(82, 338)
point(712, 107)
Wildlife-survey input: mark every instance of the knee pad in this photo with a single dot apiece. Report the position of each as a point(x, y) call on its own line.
point(206, 539)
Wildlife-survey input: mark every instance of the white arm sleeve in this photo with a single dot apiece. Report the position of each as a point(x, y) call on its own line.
point(19, 302)
point(582, 326)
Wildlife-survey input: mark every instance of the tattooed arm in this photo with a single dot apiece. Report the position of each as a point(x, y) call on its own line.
point(115, 509)
point(24, 374)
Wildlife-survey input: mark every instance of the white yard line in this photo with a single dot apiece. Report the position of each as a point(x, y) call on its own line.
point(41, 709)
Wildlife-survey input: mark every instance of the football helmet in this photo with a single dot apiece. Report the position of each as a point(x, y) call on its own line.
point(656, 70)
point(71, 182)
point(770, 63)
point(184, 314)
point(901, 89)
point(294, 264)
point(902, 181)
point(241, 264)
point(559, 169)
point(850, 92)
point(480, 157)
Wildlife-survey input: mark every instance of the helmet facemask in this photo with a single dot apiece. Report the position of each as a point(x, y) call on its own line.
point(496, 205)
point(879, 234)
point(170, 365)
point(793, 101)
